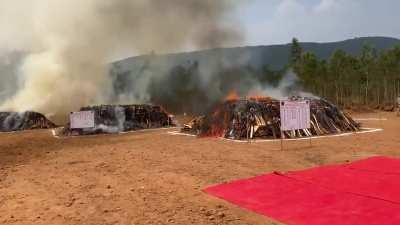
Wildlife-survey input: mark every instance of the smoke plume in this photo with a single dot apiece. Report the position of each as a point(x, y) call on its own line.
point(195, 82)
point(71, 43)
point(288, 86)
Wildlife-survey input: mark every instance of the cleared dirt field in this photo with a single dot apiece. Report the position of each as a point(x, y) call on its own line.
point(155, 178)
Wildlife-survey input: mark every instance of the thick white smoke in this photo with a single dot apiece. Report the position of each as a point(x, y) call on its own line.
point(289, 85)
point(71, 42)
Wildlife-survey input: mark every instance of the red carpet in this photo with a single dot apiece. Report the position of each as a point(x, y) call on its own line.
point(364, 192)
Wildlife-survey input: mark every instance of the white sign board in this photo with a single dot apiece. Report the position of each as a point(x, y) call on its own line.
point(82, 119)
point(295, 115)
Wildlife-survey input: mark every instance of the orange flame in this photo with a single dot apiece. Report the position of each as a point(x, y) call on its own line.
point(252, 95)
point(232, 95)
point(255, 95)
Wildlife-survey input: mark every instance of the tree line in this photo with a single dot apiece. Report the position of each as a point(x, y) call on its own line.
point(371, 79)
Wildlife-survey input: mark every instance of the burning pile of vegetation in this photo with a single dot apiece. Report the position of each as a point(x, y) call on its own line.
point(123, 118)
point(260, 118)
point(18, 121)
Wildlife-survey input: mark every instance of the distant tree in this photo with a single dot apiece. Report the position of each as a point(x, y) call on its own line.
point(307, 68)
point(388, 64)
point(337, 64)
point(295, 52)
point(367, 60)
point(369, 79)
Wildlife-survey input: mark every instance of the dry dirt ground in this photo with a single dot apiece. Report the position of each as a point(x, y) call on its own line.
point(155, 178)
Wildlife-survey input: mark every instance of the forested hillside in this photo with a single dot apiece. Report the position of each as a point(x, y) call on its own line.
point(274, 56)
point(371, 78)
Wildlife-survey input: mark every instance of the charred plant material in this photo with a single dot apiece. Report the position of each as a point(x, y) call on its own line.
point(18, 121)
point(122, 118)
point(260, 118)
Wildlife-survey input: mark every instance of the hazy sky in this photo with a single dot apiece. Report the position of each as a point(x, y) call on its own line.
point(277, 21)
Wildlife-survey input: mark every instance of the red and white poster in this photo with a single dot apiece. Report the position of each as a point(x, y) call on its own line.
point(295, 115)
point(82, 119)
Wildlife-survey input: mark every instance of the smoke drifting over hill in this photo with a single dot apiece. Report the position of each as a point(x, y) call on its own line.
point(196, 86)
point(71, 43)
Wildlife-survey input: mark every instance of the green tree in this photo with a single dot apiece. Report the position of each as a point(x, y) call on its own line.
point(367, 60)
point(336, 73)
point(296, 52)
point(369, 79)
point(307, 70)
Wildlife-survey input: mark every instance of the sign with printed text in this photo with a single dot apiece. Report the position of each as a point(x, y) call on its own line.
point(82, 119)
point(295, 115)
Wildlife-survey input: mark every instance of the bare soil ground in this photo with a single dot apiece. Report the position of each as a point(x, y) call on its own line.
point(155, 178)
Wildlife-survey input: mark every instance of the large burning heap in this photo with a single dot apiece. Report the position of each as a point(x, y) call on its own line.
point(122, 118)
point(17, 121)
point(259, 117)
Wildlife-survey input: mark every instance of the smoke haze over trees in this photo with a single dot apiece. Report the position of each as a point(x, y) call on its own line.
point(195, 81)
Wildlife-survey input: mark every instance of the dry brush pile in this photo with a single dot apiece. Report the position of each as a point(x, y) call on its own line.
point(18, 121)
point(260, 118)
point(123, 118)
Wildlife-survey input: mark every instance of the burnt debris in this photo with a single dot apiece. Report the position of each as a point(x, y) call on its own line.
point(123, 118)
point(18, 121)
point(260, 118)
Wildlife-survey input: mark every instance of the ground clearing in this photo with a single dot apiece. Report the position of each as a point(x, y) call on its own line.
point(155, 178)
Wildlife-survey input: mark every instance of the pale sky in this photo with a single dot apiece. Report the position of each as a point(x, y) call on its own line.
point(277, 21)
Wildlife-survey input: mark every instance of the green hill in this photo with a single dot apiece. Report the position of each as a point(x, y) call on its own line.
point(275, 56)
